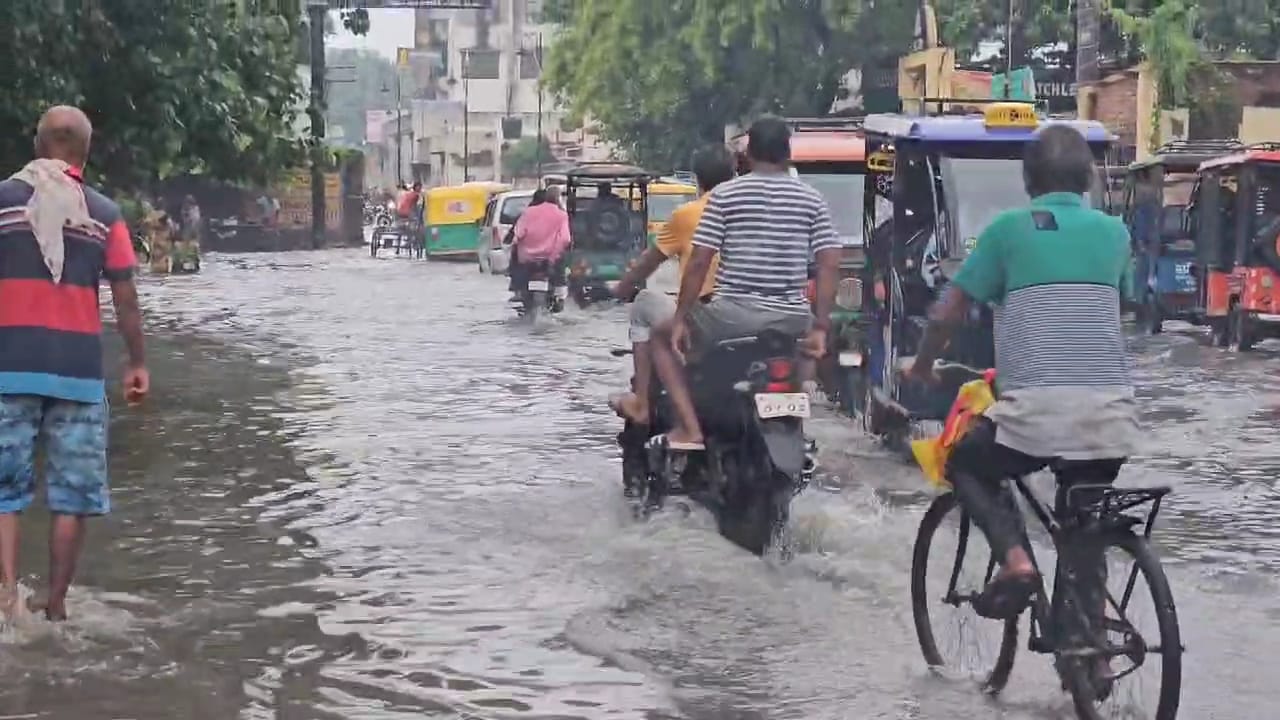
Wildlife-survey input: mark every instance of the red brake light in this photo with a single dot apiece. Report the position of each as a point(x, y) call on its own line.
point(778, 387)
point(779, 369)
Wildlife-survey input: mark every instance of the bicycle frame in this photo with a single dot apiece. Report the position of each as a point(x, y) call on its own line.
point(1070, 523)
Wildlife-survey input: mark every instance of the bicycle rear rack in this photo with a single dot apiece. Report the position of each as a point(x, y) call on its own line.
point(1107, 505)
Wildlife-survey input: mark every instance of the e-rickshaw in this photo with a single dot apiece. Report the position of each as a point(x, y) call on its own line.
point(946, 177)
point(664, 198)
point(1235, 219)
point(452, 217)
point(608, 234)
point(830, 155)
point(1157, 192)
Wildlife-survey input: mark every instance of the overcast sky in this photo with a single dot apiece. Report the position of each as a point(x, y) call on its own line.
point(388, 30)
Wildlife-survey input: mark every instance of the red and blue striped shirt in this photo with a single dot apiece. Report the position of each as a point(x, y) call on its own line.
point(51, 334)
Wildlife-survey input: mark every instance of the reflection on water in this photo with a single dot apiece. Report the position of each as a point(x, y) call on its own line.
point(365, 490)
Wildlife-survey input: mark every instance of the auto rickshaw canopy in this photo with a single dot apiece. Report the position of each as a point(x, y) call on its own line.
point(457, 204)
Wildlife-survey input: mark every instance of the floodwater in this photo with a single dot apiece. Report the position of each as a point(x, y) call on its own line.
point(364, 490)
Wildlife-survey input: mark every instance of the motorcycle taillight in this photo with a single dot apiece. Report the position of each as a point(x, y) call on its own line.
point(779, 369)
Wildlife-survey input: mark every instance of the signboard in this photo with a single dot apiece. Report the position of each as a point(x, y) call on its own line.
point(294, 195)
point(1017, 85)
point(1010, 115)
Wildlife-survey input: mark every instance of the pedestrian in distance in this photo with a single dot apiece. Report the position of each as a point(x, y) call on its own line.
point(59, 238)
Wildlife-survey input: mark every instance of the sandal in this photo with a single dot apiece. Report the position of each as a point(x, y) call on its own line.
point(665, 441)
point(1006, 597)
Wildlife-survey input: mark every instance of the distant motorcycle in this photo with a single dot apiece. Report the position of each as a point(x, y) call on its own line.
point(751, 408)
point(541, 294)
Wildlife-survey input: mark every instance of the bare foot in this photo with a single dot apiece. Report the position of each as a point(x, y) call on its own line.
point(39, 603)
point(629, 406)
point(9, 602)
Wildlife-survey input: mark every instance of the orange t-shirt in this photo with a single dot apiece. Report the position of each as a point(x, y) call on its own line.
point(676, 239)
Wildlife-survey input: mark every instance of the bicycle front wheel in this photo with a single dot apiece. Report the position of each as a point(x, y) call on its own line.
point(1133, 667)
point(951, 564)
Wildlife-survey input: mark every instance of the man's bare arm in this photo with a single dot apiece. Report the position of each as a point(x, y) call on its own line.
point(828, 275)
point(124, 295)
point(695, 275)
point(944, 317)
point(649, 262)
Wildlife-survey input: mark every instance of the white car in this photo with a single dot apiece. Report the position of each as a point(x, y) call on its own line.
point(499, 215)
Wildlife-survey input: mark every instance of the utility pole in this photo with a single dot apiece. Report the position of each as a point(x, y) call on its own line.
point(466, 115)
point(1013, 45)
point(1088, 27)
point(538, 57)
point(399, 133)
point(316, 10)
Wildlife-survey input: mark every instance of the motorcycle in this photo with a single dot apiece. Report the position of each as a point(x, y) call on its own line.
point(540, 293)
point(751, 408)
point(383, 217)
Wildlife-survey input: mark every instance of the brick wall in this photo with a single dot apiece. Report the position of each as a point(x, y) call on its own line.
point(1117, 105)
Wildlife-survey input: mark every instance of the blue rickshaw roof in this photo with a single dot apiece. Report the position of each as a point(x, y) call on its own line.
point(972, 128)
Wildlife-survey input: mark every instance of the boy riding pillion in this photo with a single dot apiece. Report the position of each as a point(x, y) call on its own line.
point(1055, 270)
point(649, 308)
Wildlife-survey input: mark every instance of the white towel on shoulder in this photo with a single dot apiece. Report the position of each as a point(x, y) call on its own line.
point(57, 202)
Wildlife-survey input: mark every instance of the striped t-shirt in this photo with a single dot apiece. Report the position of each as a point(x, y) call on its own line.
point(1055, 271)
point(50, 333)
point(766, 228)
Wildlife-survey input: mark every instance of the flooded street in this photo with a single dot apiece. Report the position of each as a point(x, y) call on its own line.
point(363, 489)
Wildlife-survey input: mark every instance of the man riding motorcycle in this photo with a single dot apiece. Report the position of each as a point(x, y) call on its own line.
point(649, 308)
point(541, 234)
point(765, 227)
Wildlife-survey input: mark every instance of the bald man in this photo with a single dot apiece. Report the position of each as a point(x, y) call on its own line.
point(59, 238)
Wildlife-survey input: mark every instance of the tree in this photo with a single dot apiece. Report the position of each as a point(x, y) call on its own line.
point(520, 159)
point(373, 89)
point(171, 88)
point(662, 78)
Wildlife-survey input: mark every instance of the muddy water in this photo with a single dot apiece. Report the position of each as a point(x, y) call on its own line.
point(363, 490)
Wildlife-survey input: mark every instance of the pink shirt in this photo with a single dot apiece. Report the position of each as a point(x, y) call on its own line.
point(542, 232)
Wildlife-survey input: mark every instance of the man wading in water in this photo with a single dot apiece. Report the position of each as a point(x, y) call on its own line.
point(58, 239)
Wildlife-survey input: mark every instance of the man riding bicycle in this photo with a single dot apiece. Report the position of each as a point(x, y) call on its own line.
point(1065, 400)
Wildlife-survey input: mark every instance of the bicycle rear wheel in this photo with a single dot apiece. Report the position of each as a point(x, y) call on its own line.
point(950, 564)
point(1141, 644)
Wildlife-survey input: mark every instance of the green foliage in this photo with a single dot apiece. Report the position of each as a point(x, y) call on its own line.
point(170, 87)
point(1167, 38)
point(373, 89)
point(520, 159)
point(661, 79)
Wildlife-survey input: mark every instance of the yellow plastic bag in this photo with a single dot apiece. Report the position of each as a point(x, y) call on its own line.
point(971, 401)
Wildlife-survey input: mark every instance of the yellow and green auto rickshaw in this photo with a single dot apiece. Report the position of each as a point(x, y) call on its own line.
point(664, 198)
point(608, 206)
point(452, 217)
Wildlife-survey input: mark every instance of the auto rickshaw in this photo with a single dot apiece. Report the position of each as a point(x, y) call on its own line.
point(1235, 219)
point(945, 177)
point(452, 217)
point(830, 155)
point(1156, 194)
point(608, 237)
point(664, 197)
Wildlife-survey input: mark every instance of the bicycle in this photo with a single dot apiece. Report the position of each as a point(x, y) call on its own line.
point(1085, 645)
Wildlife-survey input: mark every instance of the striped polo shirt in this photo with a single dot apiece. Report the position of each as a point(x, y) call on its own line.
point(51, 334)
point(766, 228)
point(1054, 272)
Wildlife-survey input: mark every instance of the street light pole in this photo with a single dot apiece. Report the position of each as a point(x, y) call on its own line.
point(538, 57)
point(399, 133)
point(466, 115)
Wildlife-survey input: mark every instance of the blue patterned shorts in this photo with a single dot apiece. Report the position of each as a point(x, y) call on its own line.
point(74, 436)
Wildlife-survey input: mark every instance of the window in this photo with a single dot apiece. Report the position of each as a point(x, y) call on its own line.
point(481, 64)
point(512, 206)
point(530, 64)
point(488, 213)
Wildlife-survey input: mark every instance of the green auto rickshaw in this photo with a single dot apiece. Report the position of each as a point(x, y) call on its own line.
point(608, 206)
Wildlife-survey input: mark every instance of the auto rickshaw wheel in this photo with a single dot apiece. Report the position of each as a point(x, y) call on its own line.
point(1241, 333)
point(1152, 314)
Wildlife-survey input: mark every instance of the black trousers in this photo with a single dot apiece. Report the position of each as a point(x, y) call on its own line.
point(977, 469)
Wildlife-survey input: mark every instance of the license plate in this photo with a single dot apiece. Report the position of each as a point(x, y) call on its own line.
point(562, 292)
point(538, 286)
point(850, 358)
point(188, 266)
point(776, 405)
